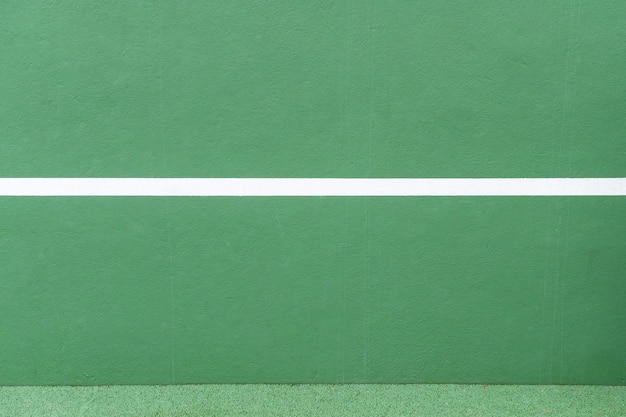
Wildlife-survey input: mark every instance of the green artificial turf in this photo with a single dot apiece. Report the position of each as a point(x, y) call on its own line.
point(314, 400)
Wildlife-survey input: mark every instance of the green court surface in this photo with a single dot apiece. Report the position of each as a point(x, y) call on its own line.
point(314, 400)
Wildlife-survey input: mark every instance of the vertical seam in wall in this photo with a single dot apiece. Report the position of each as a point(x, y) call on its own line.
point(160, 112)
point(368, 220)
point(348, 48)
point(573, 22)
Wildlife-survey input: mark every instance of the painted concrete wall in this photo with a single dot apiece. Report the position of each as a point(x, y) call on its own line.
point(99, 290)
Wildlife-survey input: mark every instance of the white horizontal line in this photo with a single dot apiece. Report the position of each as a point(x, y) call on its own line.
point(205, 187)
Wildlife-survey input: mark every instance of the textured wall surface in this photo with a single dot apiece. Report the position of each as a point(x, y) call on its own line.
point(99, 290)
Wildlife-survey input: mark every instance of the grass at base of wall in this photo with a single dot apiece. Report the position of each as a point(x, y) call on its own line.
point(314, 400)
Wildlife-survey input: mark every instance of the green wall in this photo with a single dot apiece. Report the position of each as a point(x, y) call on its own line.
point(99, 290)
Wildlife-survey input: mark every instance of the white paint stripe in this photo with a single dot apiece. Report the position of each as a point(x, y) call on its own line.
point(312, 187)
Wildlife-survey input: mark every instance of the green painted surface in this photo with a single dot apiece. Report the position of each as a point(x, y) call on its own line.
point(186, 290)
point(175, 290)
point(310, 89)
